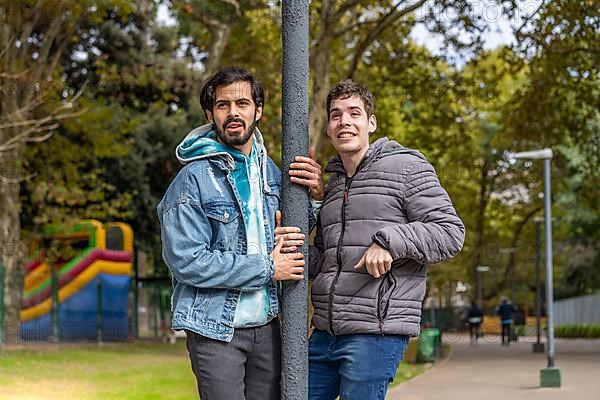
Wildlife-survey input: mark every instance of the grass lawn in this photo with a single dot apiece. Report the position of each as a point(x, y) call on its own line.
point(87, 372)
point(134, 371)
point(406, 372)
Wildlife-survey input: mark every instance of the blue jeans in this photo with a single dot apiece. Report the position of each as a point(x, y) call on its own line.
point(354, 367)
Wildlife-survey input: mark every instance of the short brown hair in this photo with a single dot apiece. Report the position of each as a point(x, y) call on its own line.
point(226, 76)
point(349, 88)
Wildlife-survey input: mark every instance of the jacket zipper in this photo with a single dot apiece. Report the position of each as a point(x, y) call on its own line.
point(347, 183)
point(379, 317)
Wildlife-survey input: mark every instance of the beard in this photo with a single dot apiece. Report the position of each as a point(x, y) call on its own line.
point(235, 139)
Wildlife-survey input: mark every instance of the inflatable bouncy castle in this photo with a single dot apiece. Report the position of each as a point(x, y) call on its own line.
point(77, 285)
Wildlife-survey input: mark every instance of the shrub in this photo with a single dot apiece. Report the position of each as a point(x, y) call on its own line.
point(520, 330)
point(577, 331)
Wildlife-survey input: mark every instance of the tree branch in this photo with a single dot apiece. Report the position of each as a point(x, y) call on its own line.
point(6, 180)
point(577, 49)
point(236, 6)
point(350, 27)
point(50, 37)
point(219, 31)
point(38, 126)
point(346, 5)
point(515, 239)
point(326, 28)
point(8, 45)
point(384, 22)
point(13, 77)
point(41, 124)
point(26, 108)
point(529, 18)
point(53, 115)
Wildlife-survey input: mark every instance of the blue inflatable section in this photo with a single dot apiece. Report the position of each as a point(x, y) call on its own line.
point(78, 315)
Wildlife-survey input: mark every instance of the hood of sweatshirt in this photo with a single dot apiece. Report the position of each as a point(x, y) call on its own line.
point(201, 143)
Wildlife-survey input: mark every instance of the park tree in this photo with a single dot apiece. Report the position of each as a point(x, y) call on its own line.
point(115, 160)
point(208, 25)
point(34, 36)
point(558, 106)
point(355, 29)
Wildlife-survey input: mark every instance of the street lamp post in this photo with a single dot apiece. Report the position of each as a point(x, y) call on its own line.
point(538, 346)
point(549, 376)
point(295, 80)
point(479, 269)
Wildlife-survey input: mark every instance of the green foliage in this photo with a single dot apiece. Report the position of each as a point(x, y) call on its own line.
point(406, 372)
point(520, 330)
point(588, 331)
point(115, 159)
point(558, 106)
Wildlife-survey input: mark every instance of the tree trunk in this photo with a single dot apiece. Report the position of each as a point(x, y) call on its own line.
point(220, 37)
point(512, 259)
point(11, 253)
point(320, 62)
point(318, 115)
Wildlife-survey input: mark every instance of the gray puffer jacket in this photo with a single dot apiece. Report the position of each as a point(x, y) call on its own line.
point(394, 199)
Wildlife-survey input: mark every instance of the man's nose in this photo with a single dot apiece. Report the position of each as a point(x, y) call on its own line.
point(233, 110)
point(344, 119)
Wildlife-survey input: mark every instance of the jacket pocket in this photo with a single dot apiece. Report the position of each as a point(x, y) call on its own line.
point(384, 294)
point(224, 221)
point(200, 303)
point(224, 212)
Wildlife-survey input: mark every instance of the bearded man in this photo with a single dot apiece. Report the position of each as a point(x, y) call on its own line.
point(218, 230)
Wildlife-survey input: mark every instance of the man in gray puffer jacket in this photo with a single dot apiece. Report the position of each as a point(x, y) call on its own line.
point(385, 217)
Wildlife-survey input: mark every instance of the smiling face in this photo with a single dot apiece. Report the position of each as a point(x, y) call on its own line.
point(234, 115)
point(349, 126)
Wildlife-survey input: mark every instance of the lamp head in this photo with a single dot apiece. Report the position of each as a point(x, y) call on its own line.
point(543, 154)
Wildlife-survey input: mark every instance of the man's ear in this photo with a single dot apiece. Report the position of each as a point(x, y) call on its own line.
point(372, 123)
point(209, 115)
point(258, 113)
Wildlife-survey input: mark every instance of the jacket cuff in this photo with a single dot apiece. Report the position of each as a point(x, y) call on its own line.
point(397, 249)
point(314, 207)
point(316, 204)
point(382, 241)
point(269, 268)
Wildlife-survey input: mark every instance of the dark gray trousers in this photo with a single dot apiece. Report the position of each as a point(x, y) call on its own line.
point(247, 368)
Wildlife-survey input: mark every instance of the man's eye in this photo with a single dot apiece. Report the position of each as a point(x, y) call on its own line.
point(356, 114)
point(221, 105)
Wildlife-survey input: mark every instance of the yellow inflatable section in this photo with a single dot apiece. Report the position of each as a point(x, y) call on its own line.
point(97, 267)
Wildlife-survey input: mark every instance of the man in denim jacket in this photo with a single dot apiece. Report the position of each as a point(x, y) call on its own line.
point(218, 232)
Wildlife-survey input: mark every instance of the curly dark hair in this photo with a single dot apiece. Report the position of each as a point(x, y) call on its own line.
point(349, 88)
point(226, 76)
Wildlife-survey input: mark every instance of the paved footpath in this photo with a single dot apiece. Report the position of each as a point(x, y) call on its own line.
point(489, 371)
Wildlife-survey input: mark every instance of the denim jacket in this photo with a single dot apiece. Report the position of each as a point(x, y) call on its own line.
point(204, 241)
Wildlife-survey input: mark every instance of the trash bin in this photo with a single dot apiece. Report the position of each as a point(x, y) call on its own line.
point(429, 341)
